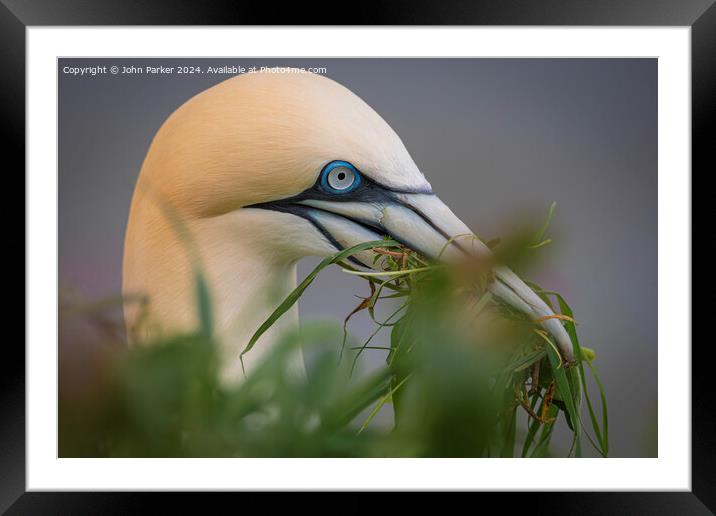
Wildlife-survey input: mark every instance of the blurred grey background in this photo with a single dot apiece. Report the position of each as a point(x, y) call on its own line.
point(499, 139)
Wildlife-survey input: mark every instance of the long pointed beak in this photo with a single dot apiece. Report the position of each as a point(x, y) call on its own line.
point(429, 224)
point(424, 223)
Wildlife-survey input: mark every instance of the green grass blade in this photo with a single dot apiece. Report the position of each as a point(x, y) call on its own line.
point(565, 391)
point(605, 417)
point(392, 274)
point(539, 238)
point(380, 404)
point(203, 302)
point(380, 326)
point(182, 232)
point(525, 361)
point(345, 410)
point(600, 433)
point(542, 446)
point(532, 428)
point(298, 291)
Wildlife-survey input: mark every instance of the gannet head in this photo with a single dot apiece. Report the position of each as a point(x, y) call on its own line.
point(308, 168)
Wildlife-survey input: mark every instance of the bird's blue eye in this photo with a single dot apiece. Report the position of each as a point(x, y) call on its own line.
point(340, 177)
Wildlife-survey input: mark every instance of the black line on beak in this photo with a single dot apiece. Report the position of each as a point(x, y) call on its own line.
point(369, 192)
point(430, 223)
point(303, 212)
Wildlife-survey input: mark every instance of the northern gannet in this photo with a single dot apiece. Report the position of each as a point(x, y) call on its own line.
point(262, 170)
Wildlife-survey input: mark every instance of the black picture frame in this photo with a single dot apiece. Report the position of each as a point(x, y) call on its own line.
point(700, 15)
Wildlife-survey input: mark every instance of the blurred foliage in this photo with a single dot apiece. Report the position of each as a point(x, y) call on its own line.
point(461, 366)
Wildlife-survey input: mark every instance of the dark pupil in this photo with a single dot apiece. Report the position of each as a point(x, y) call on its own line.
point(341, 175)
